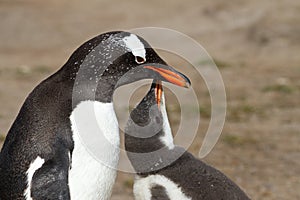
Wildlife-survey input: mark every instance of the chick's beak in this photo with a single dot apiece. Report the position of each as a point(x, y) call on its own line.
point(158, 93)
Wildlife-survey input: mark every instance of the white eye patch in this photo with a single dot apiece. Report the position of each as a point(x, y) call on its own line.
point(137, 48)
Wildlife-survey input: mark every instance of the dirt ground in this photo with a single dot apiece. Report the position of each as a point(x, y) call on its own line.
point(256, 45)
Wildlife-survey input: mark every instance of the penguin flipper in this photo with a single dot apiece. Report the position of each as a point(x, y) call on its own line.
point(51, 180)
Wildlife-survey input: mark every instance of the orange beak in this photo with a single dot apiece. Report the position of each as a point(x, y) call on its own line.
point(171, 76)
point(158, 93)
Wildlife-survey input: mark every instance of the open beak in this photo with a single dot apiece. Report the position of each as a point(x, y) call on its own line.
point(171, 76)
point(158, 93)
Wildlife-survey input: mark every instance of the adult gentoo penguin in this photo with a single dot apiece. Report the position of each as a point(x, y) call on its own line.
point(165, 171)
point(43, 156)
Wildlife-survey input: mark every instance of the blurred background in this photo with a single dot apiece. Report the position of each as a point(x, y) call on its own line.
point(255, 44)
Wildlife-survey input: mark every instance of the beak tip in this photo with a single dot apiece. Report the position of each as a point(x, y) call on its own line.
point(188, 83)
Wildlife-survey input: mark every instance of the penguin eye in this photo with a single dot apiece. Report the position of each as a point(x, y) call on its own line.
point(139, 59)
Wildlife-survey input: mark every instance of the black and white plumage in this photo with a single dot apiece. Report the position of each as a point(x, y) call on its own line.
point(43, 156)
point(165, 171)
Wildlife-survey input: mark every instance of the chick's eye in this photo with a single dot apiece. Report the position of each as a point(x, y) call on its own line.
point(139, 59)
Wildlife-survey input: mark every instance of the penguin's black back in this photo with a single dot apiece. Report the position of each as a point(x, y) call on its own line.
point(42, 128)
point(199, 180)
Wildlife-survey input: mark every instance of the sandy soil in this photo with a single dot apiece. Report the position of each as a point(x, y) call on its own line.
point(256, 45)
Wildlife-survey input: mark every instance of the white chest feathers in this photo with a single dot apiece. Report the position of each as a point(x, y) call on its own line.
point(142, 188)
point(96, 151)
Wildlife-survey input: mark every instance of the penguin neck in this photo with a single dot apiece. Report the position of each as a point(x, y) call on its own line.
point(152, 138)
point(90, 81)
point(167, 137)
point(149, 154)
point(93, 89)
point(105, 90)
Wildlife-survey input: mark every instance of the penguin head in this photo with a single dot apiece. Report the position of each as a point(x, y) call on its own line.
point(148, 111)
point(114, 59)
point(146, 127)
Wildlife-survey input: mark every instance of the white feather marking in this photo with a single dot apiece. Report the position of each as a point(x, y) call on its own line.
point(89, 178)
point(167, 138)
point(70, 160)
point(134, 45)
point(34, 166)
point(142, 188)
